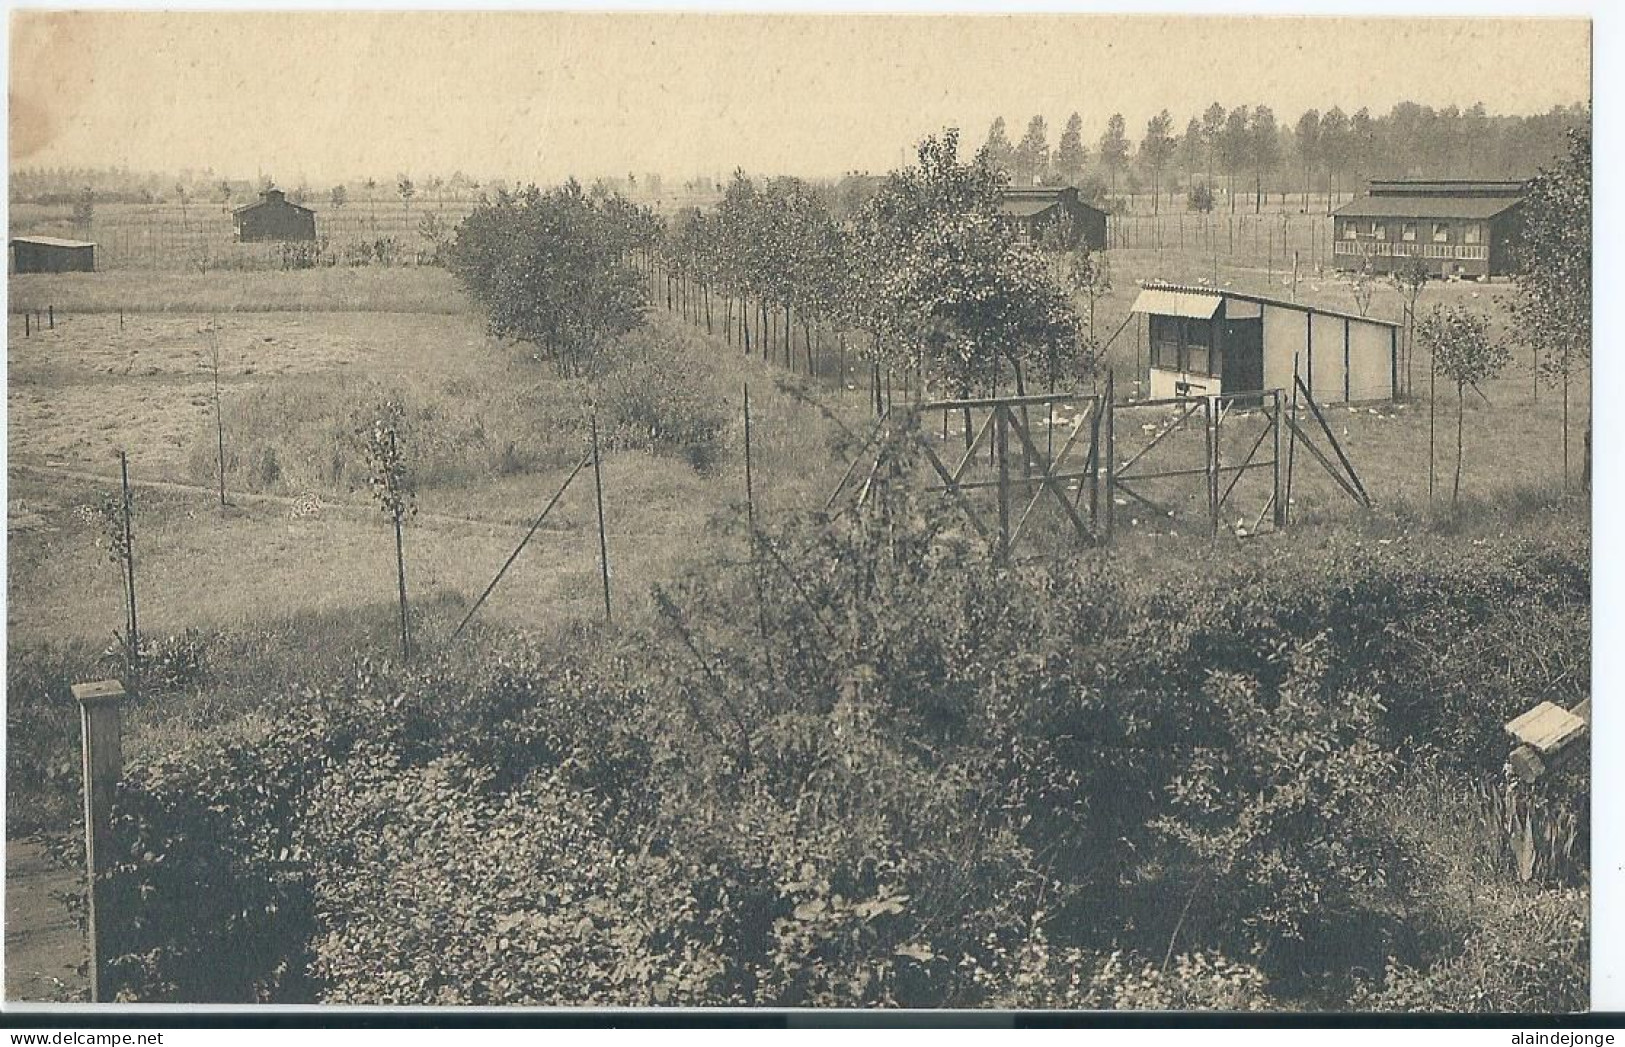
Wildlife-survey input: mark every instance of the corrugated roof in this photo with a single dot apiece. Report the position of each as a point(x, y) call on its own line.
point(1444, 187)
point(1469, 207)
point(1163, 302)
point(51, 241)
point(1256, 299)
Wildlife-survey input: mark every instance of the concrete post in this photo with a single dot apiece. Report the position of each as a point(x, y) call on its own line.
point(103, 765)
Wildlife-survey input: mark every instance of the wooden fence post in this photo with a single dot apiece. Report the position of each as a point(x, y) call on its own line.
point(103, 764)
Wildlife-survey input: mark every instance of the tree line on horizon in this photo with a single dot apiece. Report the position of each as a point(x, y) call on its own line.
point(1248, 151)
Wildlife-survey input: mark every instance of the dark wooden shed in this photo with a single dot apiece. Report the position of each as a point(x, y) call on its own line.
point(50, 254)
point(1033, 210)
point(274, 219)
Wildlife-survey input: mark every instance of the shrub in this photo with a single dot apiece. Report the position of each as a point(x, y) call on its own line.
point(930, 780)
point(1529, 956)
point(658, 395)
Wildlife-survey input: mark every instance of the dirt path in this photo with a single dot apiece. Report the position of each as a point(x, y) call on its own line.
point(45, 950)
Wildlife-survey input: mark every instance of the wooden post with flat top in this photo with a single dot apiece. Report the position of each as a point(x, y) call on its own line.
point(103, 764)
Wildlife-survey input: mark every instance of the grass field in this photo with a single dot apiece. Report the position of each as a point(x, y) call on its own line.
point(300, 349)
point(246, 604)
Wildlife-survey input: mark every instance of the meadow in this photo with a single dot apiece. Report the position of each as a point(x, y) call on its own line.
point(292, 581)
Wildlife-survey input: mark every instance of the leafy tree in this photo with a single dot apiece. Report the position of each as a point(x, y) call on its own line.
point(1071, 155)
point(1338, 140)
point(1235, 148)
point(1192, 147)
point(1213, 118)
point(553, 269)
point(404, 187)
point(951, 284)
point(1032, 153)
point(84, 211)
point(1114, 148)
point(338, 196)
point(226, 191)
point(1156, 150)
point(1552, 307)
point(1000, 153)
point(1464, 354)
point(1264, 148)
point(1306, 136)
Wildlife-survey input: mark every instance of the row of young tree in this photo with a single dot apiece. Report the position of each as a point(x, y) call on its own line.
point(1323, 153)
point(924, 280)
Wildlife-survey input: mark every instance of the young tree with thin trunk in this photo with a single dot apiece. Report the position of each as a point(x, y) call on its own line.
point(1212, 128)
point(1000, 153)
point(1306, 137)
point(1552, 307)
point(1410, 280)
point(1264, 149)
point(1155, 152)
point(1032, 153)
point(1071, 155)
point(1463, 354)
point(1114, 148)
point(382, 436)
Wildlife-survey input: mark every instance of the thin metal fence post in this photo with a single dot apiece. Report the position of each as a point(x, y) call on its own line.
point(103, 763)
point(603, 541)
point(132, 638)
point(1279, 497)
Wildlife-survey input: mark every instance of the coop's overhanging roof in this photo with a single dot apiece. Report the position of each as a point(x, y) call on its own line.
point(50, 241)
point(1177, 303)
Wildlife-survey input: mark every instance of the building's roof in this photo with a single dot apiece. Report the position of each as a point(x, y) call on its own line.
point(1197, 305)
point(1468, 207)
point(1188, 291)
point(1029, 201)
point(51, 241)
point(278, 202)
point(1027, 207)
point(1444, 187)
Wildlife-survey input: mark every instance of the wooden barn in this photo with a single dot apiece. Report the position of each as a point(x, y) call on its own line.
point(1032, 210)
point(272, 219)
point(1205, 342)
point(1458, 228)
point(50, 254)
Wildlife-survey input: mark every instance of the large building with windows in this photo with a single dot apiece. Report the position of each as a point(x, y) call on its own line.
point(1458, 228)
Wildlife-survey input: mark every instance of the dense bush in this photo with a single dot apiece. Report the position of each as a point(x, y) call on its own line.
point(929, 781)
point(658, 395)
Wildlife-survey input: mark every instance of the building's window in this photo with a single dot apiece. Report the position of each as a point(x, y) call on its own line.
point(1196, 361)
point(1471, 234)
point(1441, 232)
point(1350, 232)
point(1407, 232)
point(1165, 342)
point(1379, 231)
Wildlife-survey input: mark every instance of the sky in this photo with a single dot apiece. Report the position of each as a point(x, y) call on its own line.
point(322, 97)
